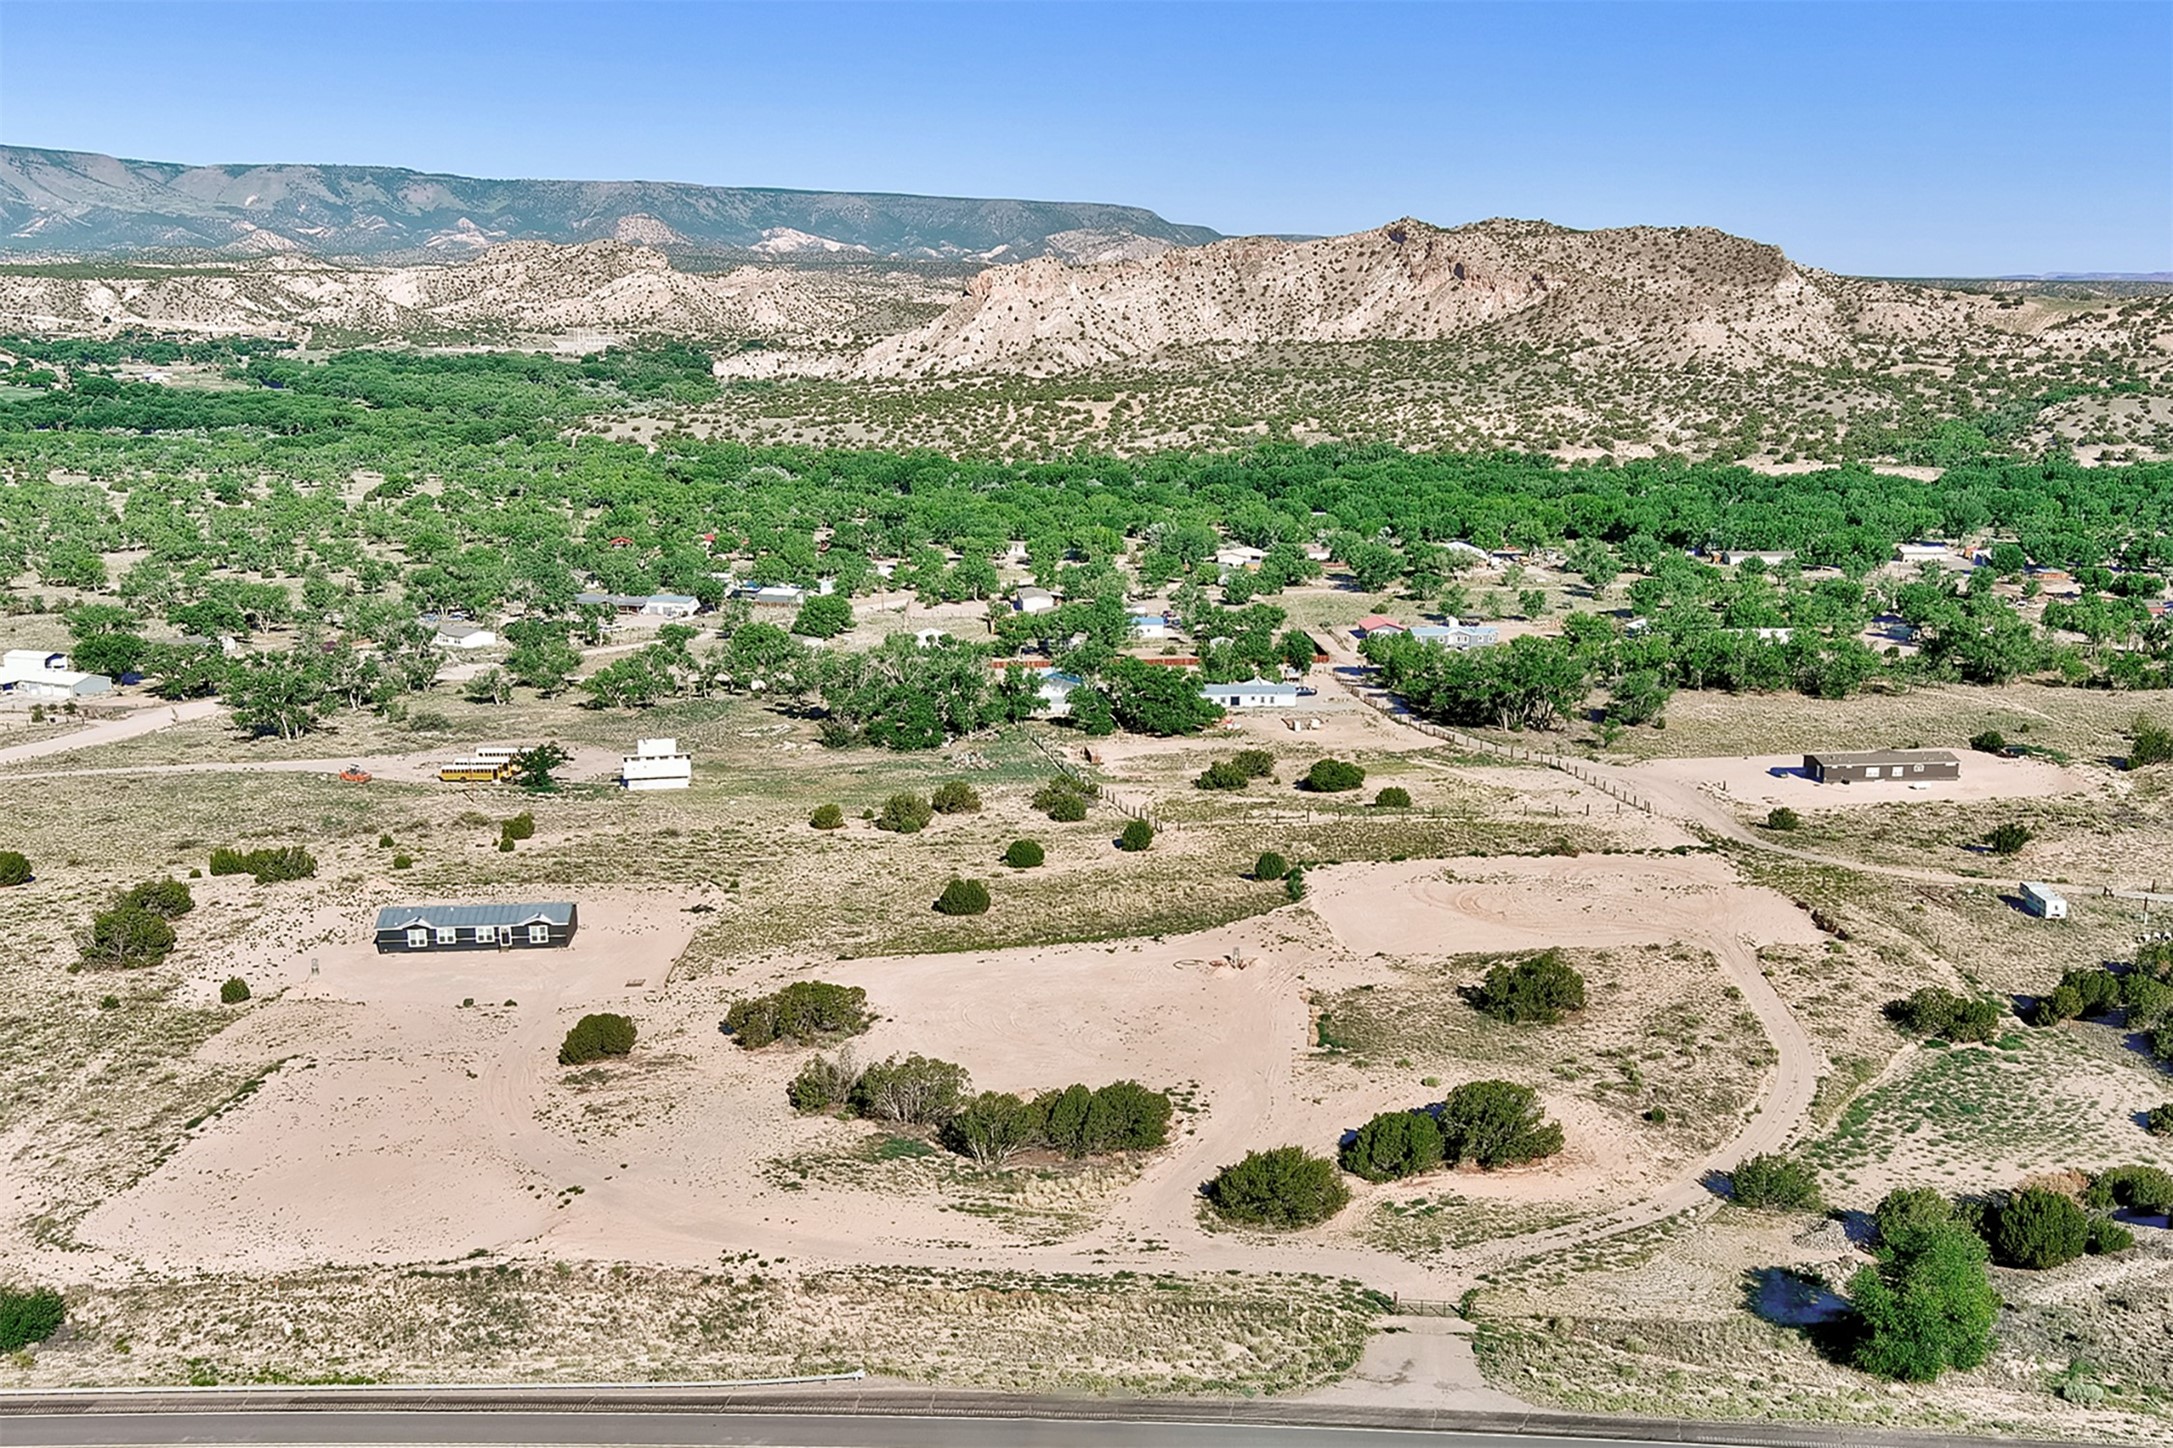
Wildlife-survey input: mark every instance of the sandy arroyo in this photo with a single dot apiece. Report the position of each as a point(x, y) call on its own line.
point(1764, 780)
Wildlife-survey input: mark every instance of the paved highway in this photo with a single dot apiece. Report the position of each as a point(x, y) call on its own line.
point(1126, 1425)
point(669, 1430)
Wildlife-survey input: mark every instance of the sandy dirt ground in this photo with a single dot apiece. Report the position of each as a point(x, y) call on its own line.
point(402, 1125)
point(153, 716)
point(1764, 780)
point(586, 764)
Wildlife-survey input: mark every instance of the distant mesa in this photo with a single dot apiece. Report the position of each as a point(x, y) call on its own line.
point(83, 204)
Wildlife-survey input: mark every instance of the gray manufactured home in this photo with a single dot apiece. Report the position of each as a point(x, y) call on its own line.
point(1909, 766)
point(475, 927)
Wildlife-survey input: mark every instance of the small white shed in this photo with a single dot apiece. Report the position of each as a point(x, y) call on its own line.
point(656, 764)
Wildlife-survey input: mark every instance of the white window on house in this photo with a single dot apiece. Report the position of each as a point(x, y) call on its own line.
point(1918, 768)
point(418, 937)
point(1871, 772)
point(447, 935)
point(485, 934)
point(539, 934)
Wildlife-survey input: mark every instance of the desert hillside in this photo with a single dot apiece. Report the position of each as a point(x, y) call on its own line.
point(1668, 295)
point(516, 291)
point(76, 203)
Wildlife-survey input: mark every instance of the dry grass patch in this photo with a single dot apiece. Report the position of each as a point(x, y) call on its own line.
point(519, 1322)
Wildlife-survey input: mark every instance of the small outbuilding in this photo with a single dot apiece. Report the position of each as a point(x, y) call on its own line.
point(414, 928)
point(1910, 766)
point(1035, 600)
point(2043, 901)
point(38, 674)
point(656, 764)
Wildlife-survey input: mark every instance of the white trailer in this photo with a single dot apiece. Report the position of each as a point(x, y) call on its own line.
point(2043, 901)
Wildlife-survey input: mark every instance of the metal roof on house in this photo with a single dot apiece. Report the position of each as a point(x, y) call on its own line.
point(400, 917)
point(1251, 686)
point(1884, 757)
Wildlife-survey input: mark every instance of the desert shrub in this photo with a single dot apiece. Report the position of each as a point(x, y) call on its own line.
point(1536, 991)
point(1256, 763)
point(963, 897)
point(1122, 1116)
point(2147, 1189)
point(234, 991)
point(505, 845)
point(14, 867)
point(2090, 991)
point(167, 899)
point(2008, 838)
point(912, 1091)
point(1222, 774)
point(403, 862)
point(1773, 1182)
point(28, 1316)
point(824, 1084)
point(2098, 989)
point(1781, 817)
point(1928, 1306)
point(384, 842)
point(1333, 776)
point(1496, 1123)
point(1024, 854)
point(1284, 1187)
point(2062, 1003)
point(127, 935)
point(1294, 884)
point(1392, 1145)
point(904, 814)
point(1905, 1213)
point(2148, 999)
point(804, 1011)
point(1067, 809)
point(955, 796)
point(2158, 1121)
point(1126, 1116)
point(268, 865)
point(992, 1127)
point(1136, 835)
point(521, 827)
point(595, 1036)
point(827, 817)
point(1990, 741)
point(1393, 797)
point(1063, 785)
point(2035, 1229)
point(1934, 1011)
point(2149, 742)
point(1270, 866)
point(2107, 1237)
point(1063, 1118)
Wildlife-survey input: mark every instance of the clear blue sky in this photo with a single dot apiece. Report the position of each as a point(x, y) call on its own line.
point(1873, 138)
